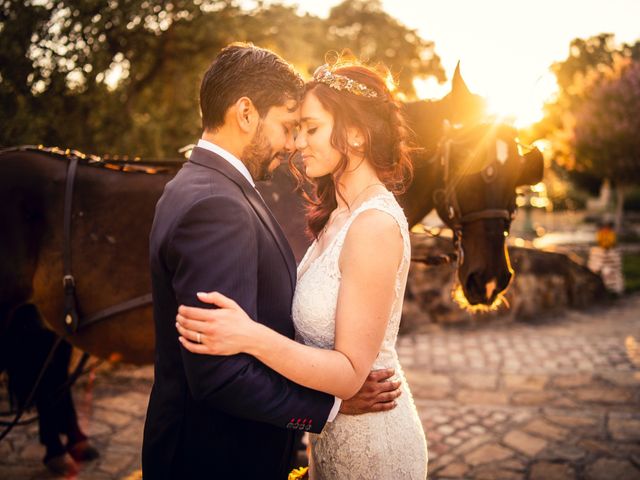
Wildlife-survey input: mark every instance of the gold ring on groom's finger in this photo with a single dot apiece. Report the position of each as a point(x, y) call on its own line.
point(198, 337)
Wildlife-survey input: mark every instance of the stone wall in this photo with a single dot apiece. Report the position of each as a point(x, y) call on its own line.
point(544, 283)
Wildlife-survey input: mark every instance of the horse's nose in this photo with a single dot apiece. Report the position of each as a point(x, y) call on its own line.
point(504, 280)
point(480, 289)
point(476, 289)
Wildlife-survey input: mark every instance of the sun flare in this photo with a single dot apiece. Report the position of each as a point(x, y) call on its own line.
point(509, 100)
point(519, 102)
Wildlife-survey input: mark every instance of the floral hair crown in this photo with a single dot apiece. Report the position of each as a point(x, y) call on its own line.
point(341, 83)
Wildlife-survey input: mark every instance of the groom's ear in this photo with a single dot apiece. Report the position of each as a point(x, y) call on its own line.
point(246, 114)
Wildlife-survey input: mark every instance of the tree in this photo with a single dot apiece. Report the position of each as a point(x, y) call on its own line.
point(122, 76)
point(102, 76)
point(364, 27)
point(605, 133)
point(591, 63)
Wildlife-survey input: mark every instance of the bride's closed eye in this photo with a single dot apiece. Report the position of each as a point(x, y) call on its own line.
point(312, 130)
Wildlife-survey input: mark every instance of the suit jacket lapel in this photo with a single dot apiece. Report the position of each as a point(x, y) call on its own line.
point(209, 159)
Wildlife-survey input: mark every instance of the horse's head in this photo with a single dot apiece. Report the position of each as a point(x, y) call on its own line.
point(482, 167)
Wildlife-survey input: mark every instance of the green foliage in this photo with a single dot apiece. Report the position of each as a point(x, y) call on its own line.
point(589, 62)
point(632, 200)
point(605, 132)
point(59, 59)
point(631, 272)
point(366, 29)
point(61, 93)
point(593, 122)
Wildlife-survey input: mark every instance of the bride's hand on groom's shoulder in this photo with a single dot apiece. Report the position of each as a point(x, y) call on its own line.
point(378, 394)
point(226, 330)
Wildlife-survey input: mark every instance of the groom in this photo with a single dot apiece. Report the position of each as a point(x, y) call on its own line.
point(231, 417)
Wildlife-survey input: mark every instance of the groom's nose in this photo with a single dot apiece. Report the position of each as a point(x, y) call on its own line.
point(290, 145)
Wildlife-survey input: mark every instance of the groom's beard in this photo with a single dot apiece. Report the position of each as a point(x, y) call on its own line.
point(258, 156)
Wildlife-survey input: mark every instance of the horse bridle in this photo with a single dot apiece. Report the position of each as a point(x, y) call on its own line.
point(446, 199)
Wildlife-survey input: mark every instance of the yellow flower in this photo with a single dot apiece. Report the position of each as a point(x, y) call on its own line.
point(606, 238)
point(298, 473)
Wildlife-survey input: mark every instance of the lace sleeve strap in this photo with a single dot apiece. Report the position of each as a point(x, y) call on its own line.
point(388, 205)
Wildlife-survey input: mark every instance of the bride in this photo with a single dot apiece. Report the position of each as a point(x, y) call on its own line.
point(351, 281)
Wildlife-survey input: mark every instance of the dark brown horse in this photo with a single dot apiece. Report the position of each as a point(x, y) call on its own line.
point(112, 213)
point(469, 171)
point(481, 167)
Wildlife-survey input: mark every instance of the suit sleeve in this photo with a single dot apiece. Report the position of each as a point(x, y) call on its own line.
point(214, 247)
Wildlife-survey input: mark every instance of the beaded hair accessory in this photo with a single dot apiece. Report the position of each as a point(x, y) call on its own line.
point(342, 83)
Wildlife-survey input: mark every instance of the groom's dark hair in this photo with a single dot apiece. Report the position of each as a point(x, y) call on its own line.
point(244, 70)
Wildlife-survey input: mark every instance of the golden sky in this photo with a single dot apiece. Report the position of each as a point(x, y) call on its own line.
point(506, 46)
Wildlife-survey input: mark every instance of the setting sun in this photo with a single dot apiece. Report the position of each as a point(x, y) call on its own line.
point(505, 49)
point(521, 104)
point(517, 103)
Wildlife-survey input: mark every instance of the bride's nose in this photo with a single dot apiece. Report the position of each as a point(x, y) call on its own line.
point(301, 141)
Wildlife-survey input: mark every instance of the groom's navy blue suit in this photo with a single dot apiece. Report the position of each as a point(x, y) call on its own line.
point(215, 417)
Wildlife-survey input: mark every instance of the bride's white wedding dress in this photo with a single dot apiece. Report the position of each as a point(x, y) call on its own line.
point(375, 446)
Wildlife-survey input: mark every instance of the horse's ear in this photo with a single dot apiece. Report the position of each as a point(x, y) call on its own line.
point(532, 168)
point(459, 88)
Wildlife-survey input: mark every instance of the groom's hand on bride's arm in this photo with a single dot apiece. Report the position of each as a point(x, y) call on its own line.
point(378, 394)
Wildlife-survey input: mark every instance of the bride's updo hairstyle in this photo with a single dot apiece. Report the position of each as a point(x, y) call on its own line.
point(358, 96)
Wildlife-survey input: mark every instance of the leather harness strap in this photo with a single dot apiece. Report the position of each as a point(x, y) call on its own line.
point(446, 200)
point(141, 301)
point(487, 213)
point(68, 282)
point(447, 197)
point(72, 320)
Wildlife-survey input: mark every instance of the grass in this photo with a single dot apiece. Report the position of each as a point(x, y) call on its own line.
point(631, 270)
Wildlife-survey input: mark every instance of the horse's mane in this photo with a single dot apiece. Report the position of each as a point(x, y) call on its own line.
point(122, 164)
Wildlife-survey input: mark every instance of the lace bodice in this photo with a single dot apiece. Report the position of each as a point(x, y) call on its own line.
point(316, 297)
point(374, 446)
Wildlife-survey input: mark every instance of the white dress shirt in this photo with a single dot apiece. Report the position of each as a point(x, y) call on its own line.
point(242, 168)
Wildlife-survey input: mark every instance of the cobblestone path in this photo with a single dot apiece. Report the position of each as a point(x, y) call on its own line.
point(556, 400)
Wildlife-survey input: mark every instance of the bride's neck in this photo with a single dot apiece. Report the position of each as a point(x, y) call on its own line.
point(357, 184)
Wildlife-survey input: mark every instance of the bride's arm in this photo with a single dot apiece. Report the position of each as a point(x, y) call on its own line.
point(368, 263)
